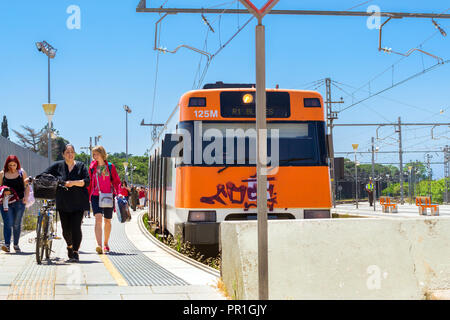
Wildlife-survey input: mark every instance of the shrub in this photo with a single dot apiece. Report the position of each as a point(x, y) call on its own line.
point(29, 222)
point(185, 248)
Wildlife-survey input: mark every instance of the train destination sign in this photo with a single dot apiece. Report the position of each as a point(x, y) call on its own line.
point(238, 105)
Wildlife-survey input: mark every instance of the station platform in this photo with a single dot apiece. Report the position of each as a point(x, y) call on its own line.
point(365, 210)
point(135, 269)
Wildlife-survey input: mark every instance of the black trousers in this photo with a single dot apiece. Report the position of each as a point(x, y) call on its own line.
point(71, 228)
point(370, 197)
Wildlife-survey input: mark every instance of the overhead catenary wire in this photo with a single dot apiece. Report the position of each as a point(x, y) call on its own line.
point(360, 4)
point(365, 105)
point(390, 68)
point(395, 85)
point(386, 98)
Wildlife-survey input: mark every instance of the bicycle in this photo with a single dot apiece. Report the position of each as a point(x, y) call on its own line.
point(46, 227)
point(46, 230)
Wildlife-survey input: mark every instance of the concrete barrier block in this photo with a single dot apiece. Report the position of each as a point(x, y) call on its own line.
point(439, 295)
point(340, 258)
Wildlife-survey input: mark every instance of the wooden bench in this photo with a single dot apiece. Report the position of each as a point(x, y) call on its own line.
point(387, 205)
point(425, 202)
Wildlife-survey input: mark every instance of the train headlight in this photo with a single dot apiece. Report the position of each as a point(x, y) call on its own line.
point(317, 214)
point(202, 216)
point(247, 98)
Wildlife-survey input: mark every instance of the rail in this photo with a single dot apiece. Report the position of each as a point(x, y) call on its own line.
point(176, 254)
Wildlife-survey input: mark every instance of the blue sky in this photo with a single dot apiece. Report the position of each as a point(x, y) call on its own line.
point(110, 62)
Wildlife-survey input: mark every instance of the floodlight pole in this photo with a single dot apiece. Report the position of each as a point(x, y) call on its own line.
point(49, 140)
point(127, 111)
point(50, 52)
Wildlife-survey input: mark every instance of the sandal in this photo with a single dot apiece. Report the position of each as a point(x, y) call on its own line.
point(99, 250)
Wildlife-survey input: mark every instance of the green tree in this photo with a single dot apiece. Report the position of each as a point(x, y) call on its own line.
point(420, 189)
point(140, 162)
point(58, 143)
point(83, 157)
point(419, 170)
point(365, 171)
point(5, 131)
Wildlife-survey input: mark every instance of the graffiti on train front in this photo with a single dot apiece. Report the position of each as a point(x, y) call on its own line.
point(244, 194)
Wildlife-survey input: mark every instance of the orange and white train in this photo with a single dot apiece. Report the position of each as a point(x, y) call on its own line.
point(191, 198)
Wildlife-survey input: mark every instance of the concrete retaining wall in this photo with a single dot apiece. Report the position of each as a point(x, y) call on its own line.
point(340, 258)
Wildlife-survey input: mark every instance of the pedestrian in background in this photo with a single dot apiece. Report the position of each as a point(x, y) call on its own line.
point(134, 197)
point(104, 178)
point(15, 178)
point(141, 197)
point(72, 201)
point(369, 189)
point(125, 190)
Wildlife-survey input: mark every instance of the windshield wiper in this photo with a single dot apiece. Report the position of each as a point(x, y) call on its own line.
point(290, 160)
point(222, 169)
point(227, 166)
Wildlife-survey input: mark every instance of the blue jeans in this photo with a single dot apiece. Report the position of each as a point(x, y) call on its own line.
point(12, 219)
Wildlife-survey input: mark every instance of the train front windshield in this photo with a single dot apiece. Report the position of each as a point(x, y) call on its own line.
point(234, 143)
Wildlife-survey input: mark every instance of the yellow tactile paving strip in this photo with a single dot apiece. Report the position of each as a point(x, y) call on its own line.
point(113, 271)
point(34, 282)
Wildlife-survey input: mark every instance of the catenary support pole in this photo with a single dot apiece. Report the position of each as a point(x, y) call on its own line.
point(373, 175)
point(330, 140)
point(261, 128)
point(356, 182)
point(400, 154)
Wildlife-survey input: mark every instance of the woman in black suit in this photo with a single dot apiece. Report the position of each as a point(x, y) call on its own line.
point(72, 201)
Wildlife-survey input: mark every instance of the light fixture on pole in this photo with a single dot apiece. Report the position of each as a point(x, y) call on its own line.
point(96, 139)
point(49, 108)
point(355, 147)
point(127, 111)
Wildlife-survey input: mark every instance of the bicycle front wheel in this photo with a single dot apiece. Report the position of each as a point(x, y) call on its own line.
point(48, 247)
point(41, 237)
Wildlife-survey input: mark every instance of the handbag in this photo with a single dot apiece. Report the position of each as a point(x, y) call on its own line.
point(30, 200)
point(122, 210)
point(105, 200)
point(44, 186)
